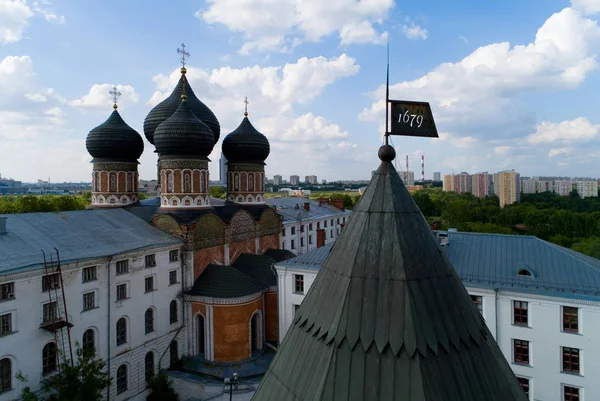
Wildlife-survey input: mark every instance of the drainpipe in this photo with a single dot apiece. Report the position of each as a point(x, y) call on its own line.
point(496, 311)
point(183, 276)
point(108, 260)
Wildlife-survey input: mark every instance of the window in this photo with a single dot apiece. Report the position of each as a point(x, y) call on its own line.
point(7, 291)
point(524, 382)
point(293, 244)
point(299, 283)
point(570, 319)
point(170, 186)
point(325, 224)
point(250, 183)
point(121, 292)
point(121, 331)
point(571, 393)
point(113, 183)
point(283, 232)
point(149, 284)
point(330, 233)
point(5, 375)
point(187, 185)
point(174, 255)
point(338, 221)
point(173, 312)
point(302, 228)
point(570, 360)
point(520, 313)
point(6, 323)
point(202, 181)
point(88, 341)
point(236, 182)
point(122, 267)
point(150, 260)
point(318, 225)
point(89, 301)
point(122, 379)
point(50, 281)
point(310, 227)
point(173, 277)
point(149, 365)
point(310, 239)
point(293, 230)
point(302, 241)
point(49, 355)
point(524, 272)
point(174, 352)
point(128, 183)
point(296, 307)
point(50, 311)
point(149, 321)
point(478, 301)
point(521, 351)
point(88, 274)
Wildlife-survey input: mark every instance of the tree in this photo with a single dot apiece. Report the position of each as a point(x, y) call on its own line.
point(218, 192)
point(161, 389)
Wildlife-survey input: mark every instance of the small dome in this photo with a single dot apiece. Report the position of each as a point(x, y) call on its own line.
point(183, 134)
point(167, 107)
point(114, 139)
point(246, 144)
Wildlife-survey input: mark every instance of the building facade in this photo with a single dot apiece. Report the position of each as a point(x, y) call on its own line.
point(294, 179)
point(587, 189)
point(544, 186)
point(480, 184)
point(448, 183)
point(529, 186)
point(311, 179)
point(408, 177)
point(437, 176)
point(540, 303)
point(277, 180)
point(223, 170)
point(508, 187)
point(563, 187)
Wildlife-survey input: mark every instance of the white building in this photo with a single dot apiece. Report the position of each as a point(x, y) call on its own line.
point(437, 176)
point(587, 189)
point(309, 223)
point(121, 280)
point(540, 301)
point(563, 188)
point(528, 186)
point(408, 177)
point(544, 186)
point(277, 180)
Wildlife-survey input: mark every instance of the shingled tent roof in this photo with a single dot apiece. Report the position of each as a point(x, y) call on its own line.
point(259, 267)
point(388, 318)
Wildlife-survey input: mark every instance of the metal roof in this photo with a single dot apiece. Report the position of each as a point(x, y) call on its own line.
point(224, 282)
point(292, 208)
point(78, 235)
point(310, 260)
point(387, 318)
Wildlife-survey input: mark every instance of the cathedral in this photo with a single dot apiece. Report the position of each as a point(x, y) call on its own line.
point(231, 303)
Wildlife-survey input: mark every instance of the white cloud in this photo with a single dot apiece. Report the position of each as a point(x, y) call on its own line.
point(14, 19)
point(458, 141)
point(49, 15)
point(36, 97)
point(579, 129)
point(414, 31)
point(99, 98)
point(559, 151)
point(475, 95)
point(502, 150)
point(464, 39)
point(305, 128)
point(271, 25)
point(588, 7)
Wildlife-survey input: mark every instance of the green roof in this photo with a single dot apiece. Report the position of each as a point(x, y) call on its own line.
point(224, 282)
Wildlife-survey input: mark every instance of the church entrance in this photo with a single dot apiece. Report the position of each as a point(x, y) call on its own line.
point(255, 327)
point(201, 334)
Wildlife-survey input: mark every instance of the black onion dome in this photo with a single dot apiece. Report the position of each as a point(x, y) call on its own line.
point(167, 107)
point(246, 144)
point(114, 139)
point(183, 134)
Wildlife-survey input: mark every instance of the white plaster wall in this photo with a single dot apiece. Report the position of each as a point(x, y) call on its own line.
point(24, 346)
point(286, 241)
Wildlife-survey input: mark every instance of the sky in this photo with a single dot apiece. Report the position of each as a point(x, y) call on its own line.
point(512, 84)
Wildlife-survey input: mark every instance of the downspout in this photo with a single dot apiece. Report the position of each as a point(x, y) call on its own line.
point(496, 311)
point(108, 260)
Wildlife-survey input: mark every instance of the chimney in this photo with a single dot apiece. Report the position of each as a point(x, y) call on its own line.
point(323, 201)
point(2, 225)
point(338, 203)
point(320, 238)
point(307, 206)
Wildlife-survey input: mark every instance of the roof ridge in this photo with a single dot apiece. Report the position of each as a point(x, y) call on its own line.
point(565, 251)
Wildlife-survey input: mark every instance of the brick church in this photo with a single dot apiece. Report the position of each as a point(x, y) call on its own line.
point(230, 290)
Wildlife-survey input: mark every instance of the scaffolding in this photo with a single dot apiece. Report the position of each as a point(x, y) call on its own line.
point(55, 318)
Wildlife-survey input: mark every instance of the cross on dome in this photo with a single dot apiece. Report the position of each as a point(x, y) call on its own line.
point(183, 53)
point(246, 106)
point(115, 96)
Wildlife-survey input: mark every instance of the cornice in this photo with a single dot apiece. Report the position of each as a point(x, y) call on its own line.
point(224, 301)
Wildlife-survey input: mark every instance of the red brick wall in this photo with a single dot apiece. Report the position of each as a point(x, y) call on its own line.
point(237, 248)
point(232, 330)
point(203, 257)
point(272, 316)
point(268, 241)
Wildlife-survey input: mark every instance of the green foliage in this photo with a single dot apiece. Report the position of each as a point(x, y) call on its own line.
point(161, 388)
point(42, 203)
point(588, 246)
point(218, 192)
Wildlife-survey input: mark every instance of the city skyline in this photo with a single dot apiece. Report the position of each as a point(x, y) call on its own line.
point(60, 60)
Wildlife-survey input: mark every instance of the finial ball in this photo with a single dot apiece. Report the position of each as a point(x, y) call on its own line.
point(387, 153)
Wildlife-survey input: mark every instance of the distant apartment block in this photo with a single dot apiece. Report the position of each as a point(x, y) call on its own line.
point(563, 187)
point(462, 183)
point(311, 179)
point(448, 183)
point(509, 187)
point(480, 184)
point(544, 186)
point(223, 170)
point(294, 179)
point(528, 186)
point(587, 189)
point(437, 176)
point(277, 180)
point(408, 177)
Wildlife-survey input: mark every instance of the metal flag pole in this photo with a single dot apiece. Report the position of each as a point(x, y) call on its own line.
point(387, 97)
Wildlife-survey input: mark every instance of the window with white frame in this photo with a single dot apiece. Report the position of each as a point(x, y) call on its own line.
point(89, 300)
point(6, 323)
point(7, 291)
point(149, 284)
point(88, 274)
point(173, 277)
point(121, 291)
point(122, 267)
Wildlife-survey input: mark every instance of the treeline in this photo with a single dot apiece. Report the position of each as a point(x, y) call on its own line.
point(564, 220)
point(43, 203)
point(349, 200)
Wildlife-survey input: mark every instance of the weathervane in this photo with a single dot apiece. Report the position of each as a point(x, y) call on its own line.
point(183, 54)
point(246, 106)
point(115, 96)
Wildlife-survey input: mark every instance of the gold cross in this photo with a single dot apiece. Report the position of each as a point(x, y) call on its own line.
point(183, 54)
point(115, 96)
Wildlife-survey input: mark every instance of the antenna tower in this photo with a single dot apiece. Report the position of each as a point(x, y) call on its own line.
point(422, 168)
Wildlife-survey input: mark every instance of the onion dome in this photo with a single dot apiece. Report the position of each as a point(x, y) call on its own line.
point(183, 134)
point(246, 144)
point(167, 107)
point(114, 139)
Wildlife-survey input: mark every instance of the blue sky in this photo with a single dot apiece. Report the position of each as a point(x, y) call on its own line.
point(512, 84)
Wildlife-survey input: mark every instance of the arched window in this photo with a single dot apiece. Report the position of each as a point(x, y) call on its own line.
point(149, 365)
point(88, 343)
point(5, 375)
point(202, 181)
point(49, 359)
point(174, 352)
point(121, 331)
point(173, 312)
point(129, 184)
point(250, 182)
point(113, 183)
point(170, 185)
point(187, 182)
point(149, 321)
point(122, 379)
point(524, 272)
point(236, 182)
